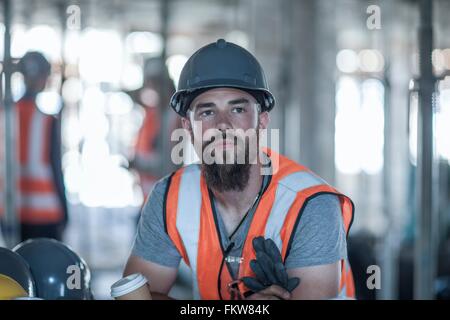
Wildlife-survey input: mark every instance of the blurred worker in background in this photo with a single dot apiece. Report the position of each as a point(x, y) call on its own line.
point(41, 198)
point(154, 97)
point(2, 241)
point(2, 172)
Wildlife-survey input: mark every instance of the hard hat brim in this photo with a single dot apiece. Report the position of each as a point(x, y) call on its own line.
point(176, 101)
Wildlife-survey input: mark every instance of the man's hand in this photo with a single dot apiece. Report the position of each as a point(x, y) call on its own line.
point(160, 278)
point(268, 268)
point(273, 292)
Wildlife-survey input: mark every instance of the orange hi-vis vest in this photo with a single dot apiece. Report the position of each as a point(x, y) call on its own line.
point(38, 201)
point(191, 225)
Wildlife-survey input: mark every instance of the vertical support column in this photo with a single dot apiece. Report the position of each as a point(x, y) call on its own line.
point(285, 74)
point(165, 110)
point(12, 227)
point(314, 79)
point(267, 46)
point(425, 246)
point(397, 17)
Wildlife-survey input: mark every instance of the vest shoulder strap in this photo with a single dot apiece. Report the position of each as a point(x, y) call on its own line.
point(182, 204)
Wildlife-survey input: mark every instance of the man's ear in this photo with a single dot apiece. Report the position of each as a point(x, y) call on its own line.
point(186, 124)
point(263, 119)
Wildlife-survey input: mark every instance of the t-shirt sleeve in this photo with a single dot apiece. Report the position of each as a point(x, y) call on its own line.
point(152, 243)
point(320, 236)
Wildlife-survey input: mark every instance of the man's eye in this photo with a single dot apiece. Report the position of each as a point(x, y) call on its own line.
point(206, 113)
point(238, 110)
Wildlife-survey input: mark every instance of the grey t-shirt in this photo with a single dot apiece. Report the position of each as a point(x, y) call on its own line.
point(319, 237)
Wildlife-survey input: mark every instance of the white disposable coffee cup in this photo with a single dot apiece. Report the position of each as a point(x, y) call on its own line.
point(132, 287)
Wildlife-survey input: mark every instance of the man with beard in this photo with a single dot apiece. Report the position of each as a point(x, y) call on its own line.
point(214, 214)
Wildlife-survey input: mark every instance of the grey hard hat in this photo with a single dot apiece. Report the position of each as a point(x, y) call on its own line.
point(221, 64)
point(59, 273)
point(15, 267)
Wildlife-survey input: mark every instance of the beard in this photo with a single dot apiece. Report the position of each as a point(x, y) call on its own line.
point(229, 176)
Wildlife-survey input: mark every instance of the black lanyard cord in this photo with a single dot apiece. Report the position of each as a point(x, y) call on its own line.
point(231, 245)
point(261, 191)
point(219, 280)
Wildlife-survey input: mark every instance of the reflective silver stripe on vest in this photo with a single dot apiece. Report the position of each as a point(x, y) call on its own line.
point(286, 192)
point(343, 294)
point(41, 172)
point(35, 167)
point(47, 201)
point(188, 217)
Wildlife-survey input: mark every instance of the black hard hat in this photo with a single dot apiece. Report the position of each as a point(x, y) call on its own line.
point(15, 267)
point(155, 67)
point(34, 65)
point(221, 64)
point(54, 265)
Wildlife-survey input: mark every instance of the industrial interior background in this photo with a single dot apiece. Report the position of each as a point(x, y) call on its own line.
point(363, 102)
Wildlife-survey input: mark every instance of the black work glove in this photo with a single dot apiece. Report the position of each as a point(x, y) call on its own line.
point(268, 268)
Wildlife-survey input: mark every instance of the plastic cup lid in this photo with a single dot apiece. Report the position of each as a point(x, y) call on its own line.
point(127, 284)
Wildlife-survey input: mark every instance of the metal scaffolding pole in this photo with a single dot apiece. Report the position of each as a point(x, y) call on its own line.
point(285, 76)
point(425, 246)
point(11, 226)
point(389, 250)
point(166, 166)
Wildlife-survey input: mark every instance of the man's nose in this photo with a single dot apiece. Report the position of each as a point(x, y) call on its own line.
point(223, 122)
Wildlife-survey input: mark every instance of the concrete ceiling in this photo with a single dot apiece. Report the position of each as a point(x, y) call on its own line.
point(186, 16)
point(202, 20)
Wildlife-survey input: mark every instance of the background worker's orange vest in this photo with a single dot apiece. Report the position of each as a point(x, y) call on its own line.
point(191, 226)
point(145, 146)
point(38, 201)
